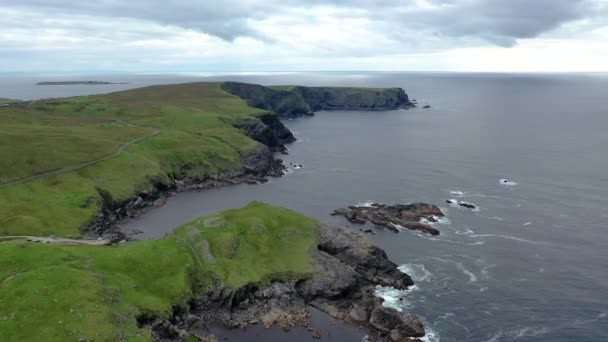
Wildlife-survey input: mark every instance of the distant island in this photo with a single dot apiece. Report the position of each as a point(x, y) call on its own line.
point(78, 83)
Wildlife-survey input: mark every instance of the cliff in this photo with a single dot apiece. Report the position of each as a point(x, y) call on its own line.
point(338, 98)
point(282, 102)
point(294, 101)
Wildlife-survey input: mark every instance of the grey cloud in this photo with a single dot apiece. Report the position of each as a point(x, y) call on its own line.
point(498, 21)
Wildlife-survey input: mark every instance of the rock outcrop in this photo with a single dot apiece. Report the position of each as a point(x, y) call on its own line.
point(268, 130)
point(394, 217)
point(348, 268)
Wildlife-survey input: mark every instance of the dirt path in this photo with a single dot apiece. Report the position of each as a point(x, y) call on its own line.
point(55, 240)
point(83, 165)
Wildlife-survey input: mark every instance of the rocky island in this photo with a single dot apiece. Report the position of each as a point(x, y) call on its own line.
point(121, 153)
point(395, 217)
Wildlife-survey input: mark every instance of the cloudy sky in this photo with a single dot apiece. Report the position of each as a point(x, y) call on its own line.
point(284, 35)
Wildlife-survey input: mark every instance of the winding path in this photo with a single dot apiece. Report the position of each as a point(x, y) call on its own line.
point(81, 166)
point(99, 242)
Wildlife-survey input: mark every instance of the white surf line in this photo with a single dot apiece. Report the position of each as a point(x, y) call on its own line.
point(81, 166)
point(54, 240)
point(510, 238)
point(460, 267)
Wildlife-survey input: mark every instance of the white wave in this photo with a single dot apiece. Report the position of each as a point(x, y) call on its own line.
point(366, 204)
point(460, 267)
point(436, 220)
point(441, 239)
point(446, 315)
point(442, 220)
point(467, 231)
point(472, 277)
point(510, 238)
point(416, 271)
point(496, 337)
point(430, 335)
point(525, 224)
point(485, 271)
point(507, 182)
point(457, 193)
point(497, 218)
point(394, 298)
point(527, 332)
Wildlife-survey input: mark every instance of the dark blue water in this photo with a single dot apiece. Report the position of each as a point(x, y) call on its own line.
point(530, 265)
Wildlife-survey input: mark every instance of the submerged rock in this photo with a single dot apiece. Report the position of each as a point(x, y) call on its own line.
point(461, 204)
point(394, 217)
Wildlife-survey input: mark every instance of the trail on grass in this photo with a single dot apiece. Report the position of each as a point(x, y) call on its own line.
point(54, 240)
point(83, 165)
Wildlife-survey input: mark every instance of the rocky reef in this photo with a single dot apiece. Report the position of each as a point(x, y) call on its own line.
point(295, 101)
point(394, 217)
point(348, 267)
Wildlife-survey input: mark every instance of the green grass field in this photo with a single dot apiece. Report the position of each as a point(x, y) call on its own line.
point(52, 292)
point(196, 138)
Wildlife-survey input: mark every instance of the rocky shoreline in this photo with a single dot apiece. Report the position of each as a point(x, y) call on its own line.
point(256, 168)
point(348, 267)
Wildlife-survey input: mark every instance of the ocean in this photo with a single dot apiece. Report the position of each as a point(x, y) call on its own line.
point(530, 264)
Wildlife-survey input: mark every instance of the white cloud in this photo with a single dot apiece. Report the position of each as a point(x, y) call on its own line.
point(316, 35)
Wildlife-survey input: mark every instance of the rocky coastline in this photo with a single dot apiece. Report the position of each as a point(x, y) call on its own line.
point(256, 168)
point(348, 267)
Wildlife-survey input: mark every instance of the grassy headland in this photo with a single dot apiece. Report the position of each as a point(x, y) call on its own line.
point(51, 292)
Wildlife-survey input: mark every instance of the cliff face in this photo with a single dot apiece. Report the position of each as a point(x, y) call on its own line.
point(282, 102)
point(268, 130)
point(294, 101)
point(330, 98)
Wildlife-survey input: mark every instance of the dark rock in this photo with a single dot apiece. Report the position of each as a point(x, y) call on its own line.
point(426, 107)
point(268, 130)
point(399, 326)
point(467, 205)
point(461, 204)
point(394, 217)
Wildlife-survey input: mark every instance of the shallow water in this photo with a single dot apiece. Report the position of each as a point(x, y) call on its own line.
point(529, 265)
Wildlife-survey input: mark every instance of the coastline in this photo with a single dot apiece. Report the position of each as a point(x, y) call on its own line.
point(347, 265)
